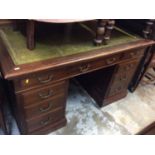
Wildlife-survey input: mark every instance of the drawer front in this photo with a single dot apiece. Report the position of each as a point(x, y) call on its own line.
point(46, 78)
point(45, 120)
point(45, 107)
point(93, 65)
point(40, 79)
point(135, 53)
point(45, 93)
point(120, 82)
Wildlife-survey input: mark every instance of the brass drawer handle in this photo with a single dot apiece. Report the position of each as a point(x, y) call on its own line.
point(110, 61)
point(45, 96)
point(42, 110)
point(45, 81)
point(45, 122)
point(84, 68)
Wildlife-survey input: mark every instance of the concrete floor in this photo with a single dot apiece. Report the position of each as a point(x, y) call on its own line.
point(124, 117)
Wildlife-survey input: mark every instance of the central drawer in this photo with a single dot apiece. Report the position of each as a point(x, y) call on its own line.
point(87, 67)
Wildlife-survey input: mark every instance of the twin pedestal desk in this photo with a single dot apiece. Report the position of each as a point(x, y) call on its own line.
point(38, 80)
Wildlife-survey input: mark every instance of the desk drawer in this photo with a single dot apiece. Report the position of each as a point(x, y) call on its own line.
point(121, 80)
point(128, 67)
point(45, 93)
point(135, 53)
point(45, 120)
point(93, 65)
point(45, 107)
point(40, 79)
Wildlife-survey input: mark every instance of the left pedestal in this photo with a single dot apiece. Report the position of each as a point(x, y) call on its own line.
point(39, 103)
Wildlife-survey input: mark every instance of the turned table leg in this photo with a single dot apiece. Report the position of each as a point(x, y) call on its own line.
point(148, 29)
point(100, 31)
point(30, 34)
point(109, 27)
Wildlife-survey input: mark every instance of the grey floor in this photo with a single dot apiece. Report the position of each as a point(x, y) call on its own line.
point(84, 117)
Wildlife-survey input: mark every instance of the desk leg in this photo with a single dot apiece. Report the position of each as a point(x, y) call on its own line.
point(30, 30)
point(100, 31)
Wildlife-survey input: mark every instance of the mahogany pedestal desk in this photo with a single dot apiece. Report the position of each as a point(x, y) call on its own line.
point(38, 80)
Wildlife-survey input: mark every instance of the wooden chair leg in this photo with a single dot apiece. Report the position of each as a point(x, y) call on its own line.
point(100, 32)
point(30, 34)
point(148, 29)
point(109, 28)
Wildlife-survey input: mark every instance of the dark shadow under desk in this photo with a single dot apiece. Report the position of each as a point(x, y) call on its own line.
point(38, 80)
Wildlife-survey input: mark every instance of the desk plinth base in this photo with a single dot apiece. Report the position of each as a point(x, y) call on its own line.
point(112, 99)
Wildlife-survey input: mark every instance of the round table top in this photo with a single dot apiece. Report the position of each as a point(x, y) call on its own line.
point(61, 20)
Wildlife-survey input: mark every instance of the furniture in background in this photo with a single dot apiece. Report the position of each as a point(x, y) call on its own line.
point(103, 30)
point(149, 76)
point(145, 73)
point(38, 84)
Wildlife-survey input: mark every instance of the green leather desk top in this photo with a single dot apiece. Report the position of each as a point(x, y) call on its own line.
point(53, 45)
